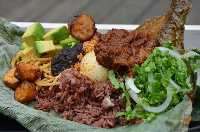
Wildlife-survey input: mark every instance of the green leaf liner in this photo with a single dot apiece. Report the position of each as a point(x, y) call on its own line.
point(176, 119)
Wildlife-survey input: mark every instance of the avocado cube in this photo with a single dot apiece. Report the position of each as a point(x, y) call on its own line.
point(57, 34)
point(23, 46)
point(33, 33)
point(71, 41)
point(28, 50)
point(44, 48)
point(58, 48)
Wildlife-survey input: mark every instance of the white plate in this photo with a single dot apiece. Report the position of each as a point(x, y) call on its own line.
point(192, 33)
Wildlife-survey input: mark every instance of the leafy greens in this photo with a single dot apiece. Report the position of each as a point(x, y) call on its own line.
point(164, 71)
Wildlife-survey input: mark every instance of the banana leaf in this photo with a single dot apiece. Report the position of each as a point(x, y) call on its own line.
point(176, 119)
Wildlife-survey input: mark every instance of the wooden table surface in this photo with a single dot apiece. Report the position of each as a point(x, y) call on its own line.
point(102, 11)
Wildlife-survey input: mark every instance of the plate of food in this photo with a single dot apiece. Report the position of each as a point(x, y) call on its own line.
point(82, 76)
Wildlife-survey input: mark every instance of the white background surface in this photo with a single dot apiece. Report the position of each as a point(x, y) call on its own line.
point(192, 33)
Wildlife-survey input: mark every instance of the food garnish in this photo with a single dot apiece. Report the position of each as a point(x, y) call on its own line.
point(71, 41)
point(160, 84)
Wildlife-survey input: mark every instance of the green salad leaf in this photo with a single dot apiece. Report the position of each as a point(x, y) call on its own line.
point(168, 45)
point(114, 81)
point(164, 71)
point(162, 67)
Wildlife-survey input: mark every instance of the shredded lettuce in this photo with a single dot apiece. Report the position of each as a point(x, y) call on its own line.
point(114, 81)
point(168, 45)
point(164, 67)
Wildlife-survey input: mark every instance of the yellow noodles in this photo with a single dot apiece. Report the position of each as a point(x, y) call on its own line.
point(44, 64)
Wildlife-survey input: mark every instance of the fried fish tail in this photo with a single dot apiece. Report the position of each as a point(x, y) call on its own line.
point(169, 26)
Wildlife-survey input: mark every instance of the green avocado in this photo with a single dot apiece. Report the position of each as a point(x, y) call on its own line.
point(23, 46)
point(44, 48)
point(58, 48)
point(33, 33)
point(28, 50)
point(57, 34)
point(69, 42)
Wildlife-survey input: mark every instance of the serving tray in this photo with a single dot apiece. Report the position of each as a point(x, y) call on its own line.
point(192, 37)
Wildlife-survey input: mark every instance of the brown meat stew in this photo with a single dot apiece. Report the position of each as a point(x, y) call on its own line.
point(120, 50)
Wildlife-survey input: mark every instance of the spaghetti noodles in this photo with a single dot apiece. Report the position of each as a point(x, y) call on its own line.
point(44, 64)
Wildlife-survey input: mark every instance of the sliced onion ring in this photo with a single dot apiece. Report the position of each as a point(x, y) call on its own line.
point(161, 107)
point(150, 79)
point(191, 54)
point(172, 52)
point(134, 96)
point(129, 83)
point(148, 108)
point(188, 81)
point(174, 85)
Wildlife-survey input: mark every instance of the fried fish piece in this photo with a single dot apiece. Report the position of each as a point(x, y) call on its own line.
point(9, 79)
point(25, 71)
point(169, 26)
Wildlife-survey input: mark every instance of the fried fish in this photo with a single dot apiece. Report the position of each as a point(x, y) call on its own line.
point(121, 50)
point(169, 26)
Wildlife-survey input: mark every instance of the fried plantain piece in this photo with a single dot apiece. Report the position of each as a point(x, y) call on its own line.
point(10, 80)
point(27, 72)
point(68, 26)
point(82, 27)
point(25, 92)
